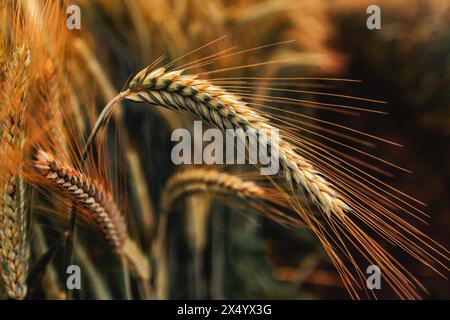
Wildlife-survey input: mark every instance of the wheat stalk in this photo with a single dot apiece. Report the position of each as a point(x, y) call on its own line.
point(218, 108)
point(14, 244)
point(91, 195)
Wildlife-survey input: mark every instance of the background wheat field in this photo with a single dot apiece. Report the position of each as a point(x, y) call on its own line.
point(87, 178)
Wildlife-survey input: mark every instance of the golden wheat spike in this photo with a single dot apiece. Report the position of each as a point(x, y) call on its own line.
point(91, 195)
point(215, 106)
point(14, 245)
point(206, 181)
point(88, 193)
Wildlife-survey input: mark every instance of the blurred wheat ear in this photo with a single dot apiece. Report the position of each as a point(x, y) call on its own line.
point(14, 237)
point(210, 182)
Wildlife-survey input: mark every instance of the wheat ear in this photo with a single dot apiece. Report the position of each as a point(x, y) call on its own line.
point(208, 181)
point(92, 196)
point(190, 182)
point(194, 181)
point(14, 239)
point(218, 108)
point(52, 110)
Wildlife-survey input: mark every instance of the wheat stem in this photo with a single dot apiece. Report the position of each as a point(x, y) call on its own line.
point(126, 278)
point(102, 119)
point(95, 278)
point(50, 281)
